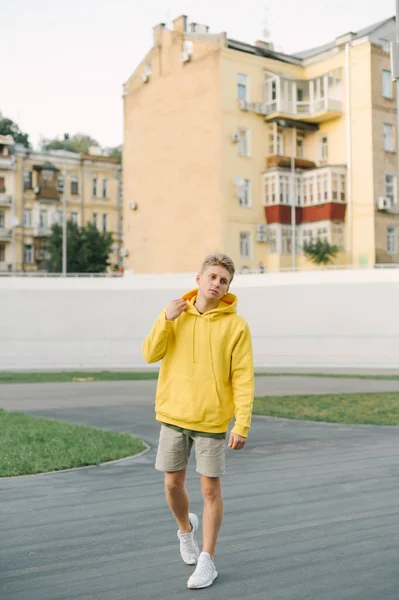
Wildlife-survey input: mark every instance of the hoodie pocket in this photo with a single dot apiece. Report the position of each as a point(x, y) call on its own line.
point(192, 400)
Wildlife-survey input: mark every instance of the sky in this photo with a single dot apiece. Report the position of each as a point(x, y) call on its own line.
point(64, 62)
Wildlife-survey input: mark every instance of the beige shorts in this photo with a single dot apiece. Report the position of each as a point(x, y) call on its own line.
point(174, 450)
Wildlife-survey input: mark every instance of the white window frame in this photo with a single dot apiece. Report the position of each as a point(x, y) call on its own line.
point(28, 254)
point(242, 84)
point(390, 187)
point(386, 83)
point(324, 148)
point(245, 245)
point(104, 223)
point(245, 194)
point(392, 240)
point(389, 147)
point(300, 147)
point(75, 218)
point(244, 142)
point(75, 181)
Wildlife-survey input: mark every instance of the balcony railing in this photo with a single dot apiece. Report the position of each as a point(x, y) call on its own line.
point(5, 200)
point(42, 231)
point(5, 234)
point(7, 162)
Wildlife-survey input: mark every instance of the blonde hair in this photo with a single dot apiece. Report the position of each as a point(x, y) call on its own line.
point(221, 260)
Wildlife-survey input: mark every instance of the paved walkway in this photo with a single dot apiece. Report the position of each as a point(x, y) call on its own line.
point(311, 509)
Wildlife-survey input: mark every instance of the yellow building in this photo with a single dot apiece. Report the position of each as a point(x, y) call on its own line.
point(213, 129)
point(35, 185)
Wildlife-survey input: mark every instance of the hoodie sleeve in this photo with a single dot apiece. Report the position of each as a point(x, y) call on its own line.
point(154, 346)
point(242, 373)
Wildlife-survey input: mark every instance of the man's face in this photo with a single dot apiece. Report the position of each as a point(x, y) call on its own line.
point(214, 283)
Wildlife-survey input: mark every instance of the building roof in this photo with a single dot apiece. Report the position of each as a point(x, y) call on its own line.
point(325, 47)
point(264, 52)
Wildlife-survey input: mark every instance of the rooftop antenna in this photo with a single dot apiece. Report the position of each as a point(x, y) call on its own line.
point(265, 24)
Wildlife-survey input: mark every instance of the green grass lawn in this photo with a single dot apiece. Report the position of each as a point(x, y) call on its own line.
point(61, 376)
point(374, 409)
point(33, 445)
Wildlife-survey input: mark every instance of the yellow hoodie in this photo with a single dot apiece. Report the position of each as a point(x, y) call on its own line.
point(206, 375)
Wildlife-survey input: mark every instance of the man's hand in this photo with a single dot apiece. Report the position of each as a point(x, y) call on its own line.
point(175, 309)
point(236, 442)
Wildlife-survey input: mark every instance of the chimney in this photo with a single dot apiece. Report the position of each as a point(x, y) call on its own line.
point(264, 45)
point(180, 24)
point(157, 33)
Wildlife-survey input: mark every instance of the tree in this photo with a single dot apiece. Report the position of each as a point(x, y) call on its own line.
point(9, 127)
point(320, 252)
point(87, 249)
point(115, 153)
point(79, 142)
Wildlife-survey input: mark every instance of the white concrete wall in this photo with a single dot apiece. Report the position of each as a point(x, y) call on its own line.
point(315, 319)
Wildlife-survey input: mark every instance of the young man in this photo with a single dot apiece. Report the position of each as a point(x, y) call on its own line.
point(206, 378)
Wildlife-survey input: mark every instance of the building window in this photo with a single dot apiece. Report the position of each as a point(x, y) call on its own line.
point(27, 180)
point(389, 138)
point(324, 148)
point(243, 142)
point(105, 219)
point(242, 86)
point(390, 187)
point(300, 148)
point(2, 185)
point(2, 253)
point(272, 241)
point(61, 184)
point(286, 240)
point(75, 218)
point(392, 240)
point(43, 218)
point(387, 90)
point(245, 193)
point(75, 186)
point(27, 217)
point(28, 254)
point(275, 144)
point(245, 244)
point(105, 188)
point(307, 237)
point(322, 234)
point(2, 220)
point(94, 188)
point(384, 45)
point(95, 217)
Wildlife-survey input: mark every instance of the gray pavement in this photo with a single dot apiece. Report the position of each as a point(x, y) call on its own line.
point(311, 509)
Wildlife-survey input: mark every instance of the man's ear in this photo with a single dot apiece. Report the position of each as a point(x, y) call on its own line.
point(198, 279)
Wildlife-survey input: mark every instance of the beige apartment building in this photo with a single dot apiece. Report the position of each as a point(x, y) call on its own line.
point(236, 147)
point(33, 188)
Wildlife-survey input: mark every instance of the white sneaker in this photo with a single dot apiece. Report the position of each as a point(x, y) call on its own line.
point(189, 549)
point(205, 573)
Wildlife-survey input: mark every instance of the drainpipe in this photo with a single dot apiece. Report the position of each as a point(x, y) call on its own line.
point(349, 154)
point(293, 199)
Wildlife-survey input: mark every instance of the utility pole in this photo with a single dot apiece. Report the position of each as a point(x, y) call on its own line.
point(293, 199)
point(395, 77)
point(64, 229)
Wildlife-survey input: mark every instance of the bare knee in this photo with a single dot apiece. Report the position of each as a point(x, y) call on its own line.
point(174, 482)
point(211, 490)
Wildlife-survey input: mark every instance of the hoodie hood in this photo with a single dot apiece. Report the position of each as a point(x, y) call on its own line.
point(228, 304)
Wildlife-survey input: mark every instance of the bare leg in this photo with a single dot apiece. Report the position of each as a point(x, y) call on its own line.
point(213, 512)
point(178, 499)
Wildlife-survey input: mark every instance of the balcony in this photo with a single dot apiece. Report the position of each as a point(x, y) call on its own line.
point(314, 101)
point(5, 200)
point(320, 195)
point(42, 231)
point(47, 194)
point(5, 234)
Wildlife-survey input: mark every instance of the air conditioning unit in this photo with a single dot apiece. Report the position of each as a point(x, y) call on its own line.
point(36, 190)
point(239, 181)
point(384, 203)
point(133, 205)
point(244, 105)
point(261, 233)
point(145, 78)
point(235, 138)
point(260, 108)
point(185, 57)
